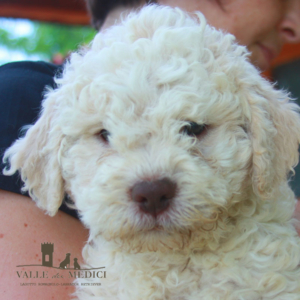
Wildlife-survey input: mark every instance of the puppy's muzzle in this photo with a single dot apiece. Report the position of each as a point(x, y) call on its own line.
point(154, 197)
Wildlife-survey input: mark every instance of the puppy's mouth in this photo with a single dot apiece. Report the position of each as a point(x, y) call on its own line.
point(147, 224)
point(157, 228)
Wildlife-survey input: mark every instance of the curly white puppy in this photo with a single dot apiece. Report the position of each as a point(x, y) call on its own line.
point(176, 154)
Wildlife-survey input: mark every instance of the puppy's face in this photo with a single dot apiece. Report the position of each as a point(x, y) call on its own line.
point(145, 157)
point(158, 133)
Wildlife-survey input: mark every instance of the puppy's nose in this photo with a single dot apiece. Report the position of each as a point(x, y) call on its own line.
point(154, 197)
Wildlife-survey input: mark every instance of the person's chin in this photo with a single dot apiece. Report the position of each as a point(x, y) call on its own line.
point(263, 65)
point(261, 57)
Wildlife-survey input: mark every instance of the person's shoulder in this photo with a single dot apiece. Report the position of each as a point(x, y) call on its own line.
point(22, 88)
point(27, 81)
point(30, 66)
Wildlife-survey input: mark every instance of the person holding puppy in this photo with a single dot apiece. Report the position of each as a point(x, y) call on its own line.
point(264, 26)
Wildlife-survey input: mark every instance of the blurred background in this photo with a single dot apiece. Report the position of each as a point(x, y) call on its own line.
point(22, 39)
point(50, 29)
point(42, 30)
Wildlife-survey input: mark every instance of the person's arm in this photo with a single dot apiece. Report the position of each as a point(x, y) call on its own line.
point(23, 227)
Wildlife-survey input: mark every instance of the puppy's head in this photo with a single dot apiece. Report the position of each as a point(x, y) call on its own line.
point(157, 132)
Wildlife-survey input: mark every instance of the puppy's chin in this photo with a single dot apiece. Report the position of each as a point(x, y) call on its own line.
point(153, 240)
point(162, 237)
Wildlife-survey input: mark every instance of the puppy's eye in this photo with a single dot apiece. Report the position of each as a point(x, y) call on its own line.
point(194, 129)
point(103, 135)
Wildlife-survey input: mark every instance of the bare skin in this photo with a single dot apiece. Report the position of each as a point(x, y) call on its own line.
point(20, 244)
point(264, 26)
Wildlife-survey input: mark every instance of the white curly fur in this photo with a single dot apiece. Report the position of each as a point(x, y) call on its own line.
point(229, 232)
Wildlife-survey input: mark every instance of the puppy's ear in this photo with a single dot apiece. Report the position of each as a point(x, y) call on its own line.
point(36, 157)
point(275, 134)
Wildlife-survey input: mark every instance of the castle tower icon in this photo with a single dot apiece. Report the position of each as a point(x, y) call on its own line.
point(47, 251)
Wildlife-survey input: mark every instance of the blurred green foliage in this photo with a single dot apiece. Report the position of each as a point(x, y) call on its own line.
point(48, 39)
